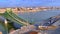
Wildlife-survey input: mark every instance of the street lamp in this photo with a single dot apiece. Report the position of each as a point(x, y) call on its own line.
point(6, 24)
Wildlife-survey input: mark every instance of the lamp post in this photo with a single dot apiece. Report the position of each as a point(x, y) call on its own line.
point(6, 24)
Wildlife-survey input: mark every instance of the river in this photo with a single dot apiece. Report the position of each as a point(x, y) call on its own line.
point(38, 17)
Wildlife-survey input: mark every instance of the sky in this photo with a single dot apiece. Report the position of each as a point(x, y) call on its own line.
point(28, 3)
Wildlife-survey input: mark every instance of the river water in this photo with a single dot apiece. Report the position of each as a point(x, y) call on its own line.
point(38, 17)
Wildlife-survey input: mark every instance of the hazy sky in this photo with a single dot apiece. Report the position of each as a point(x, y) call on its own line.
point(19, 3)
